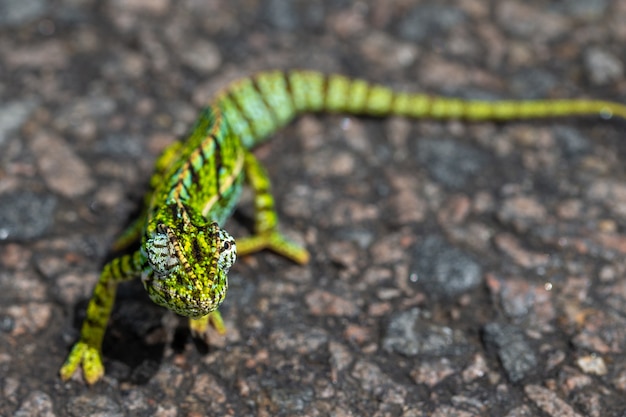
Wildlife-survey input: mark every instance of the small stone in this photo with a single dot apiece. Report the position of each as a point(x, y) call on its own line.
point(37, 403)
point(120, 145)
point(91, 404)
point(619, 381)
point(522, 299)
point(602, 66)
point(18, 12)
point(406, 204)
point(523, 411)
point(508, 244)
point(522, 212)
point(408, 334)
point(12, 115)
point(549, 402)
point(516, 355)
point(282, 14)
point(592, 364)
point(584, 9)
point(447, 411)
point(25, 215)
point(202, 56)
point(444, 270)
point(386, 52)
point(477, 369)
point(51, 54)
point(207, 385)
point(450, 162)
point(154, 7)
point(340, 356)
point(524, 21)
point(15, 257)
point(424, 21)
point(62, 170)
point(431, 373)
point(29, 318)
point(7, 324)
point(324, 303)
point(371, 377)
point(571, 142)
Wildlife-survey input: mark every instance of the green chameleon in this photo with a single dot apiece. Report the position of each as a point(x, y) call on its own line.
point(185, 255)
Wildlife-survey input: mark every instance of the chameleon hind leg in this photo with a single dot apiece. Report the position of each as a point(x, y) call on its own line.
point(266, 234)
point(87, 352)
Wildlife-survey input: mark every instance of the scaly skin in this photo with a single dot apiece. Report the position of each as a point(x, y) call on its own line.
point(185, 256)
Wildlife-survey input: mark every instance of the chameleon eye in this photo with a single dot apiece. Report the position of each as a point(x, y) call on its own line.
point(160, 252)
point(228, 251)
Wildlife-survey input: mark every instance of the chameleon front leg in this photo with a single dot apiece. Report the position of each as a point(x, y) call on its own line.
point(87, 352)
point(266, 234)
point(198, 327)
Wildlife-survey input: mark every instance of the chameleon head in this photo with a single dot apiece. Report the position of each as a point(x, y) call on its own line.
point(186, 267)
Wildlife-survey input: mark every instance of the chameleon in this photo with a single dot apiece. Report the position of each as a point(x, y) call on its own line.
point(185, 254)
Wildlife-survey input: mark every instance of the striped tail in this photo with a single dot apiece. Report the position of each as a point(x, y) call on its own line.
point(257, 106)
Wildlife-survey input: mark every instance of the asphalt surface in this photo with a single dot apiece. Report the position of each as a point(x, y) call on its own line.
point(457, 269)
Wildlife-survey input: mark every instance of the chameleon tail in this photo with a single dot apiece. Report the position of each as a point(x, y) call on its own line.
point(255, 107)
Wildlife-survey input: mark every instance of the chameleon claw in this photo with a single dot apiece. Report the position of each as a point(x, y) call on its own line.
point(90, 359)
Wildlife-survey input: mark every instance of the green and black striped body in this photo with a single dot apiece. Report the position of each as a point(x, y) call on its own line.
point(185, 255)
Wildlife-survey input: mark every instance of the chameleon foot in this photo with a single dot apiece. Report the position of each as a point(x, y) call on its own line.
point(199, 326)
point(90, 359)
point(275, 242)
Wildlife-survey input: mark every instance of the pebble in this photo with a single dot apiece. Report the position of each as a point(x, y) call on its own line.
point(409, 334)
point(602, 66)
point(587, 9)
point(118, 145)
point(427, 20)
point(12, 115)
point(51, 54)
point(62, 169)
point(92, 404)
point(37, 403)
point(533, 83)
point(18, 12)
point(154, 7)
point(444, 270)
point(433, 372)
point(324, 303)
point(549, 402)
point(516, 355)
point(571, 142)
point(202, 56)
point(522, 212)
point(524, 21)
point(28, 318)
point(592, 364)
point(449, 162)
point(25, 215)
point(282, 14)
